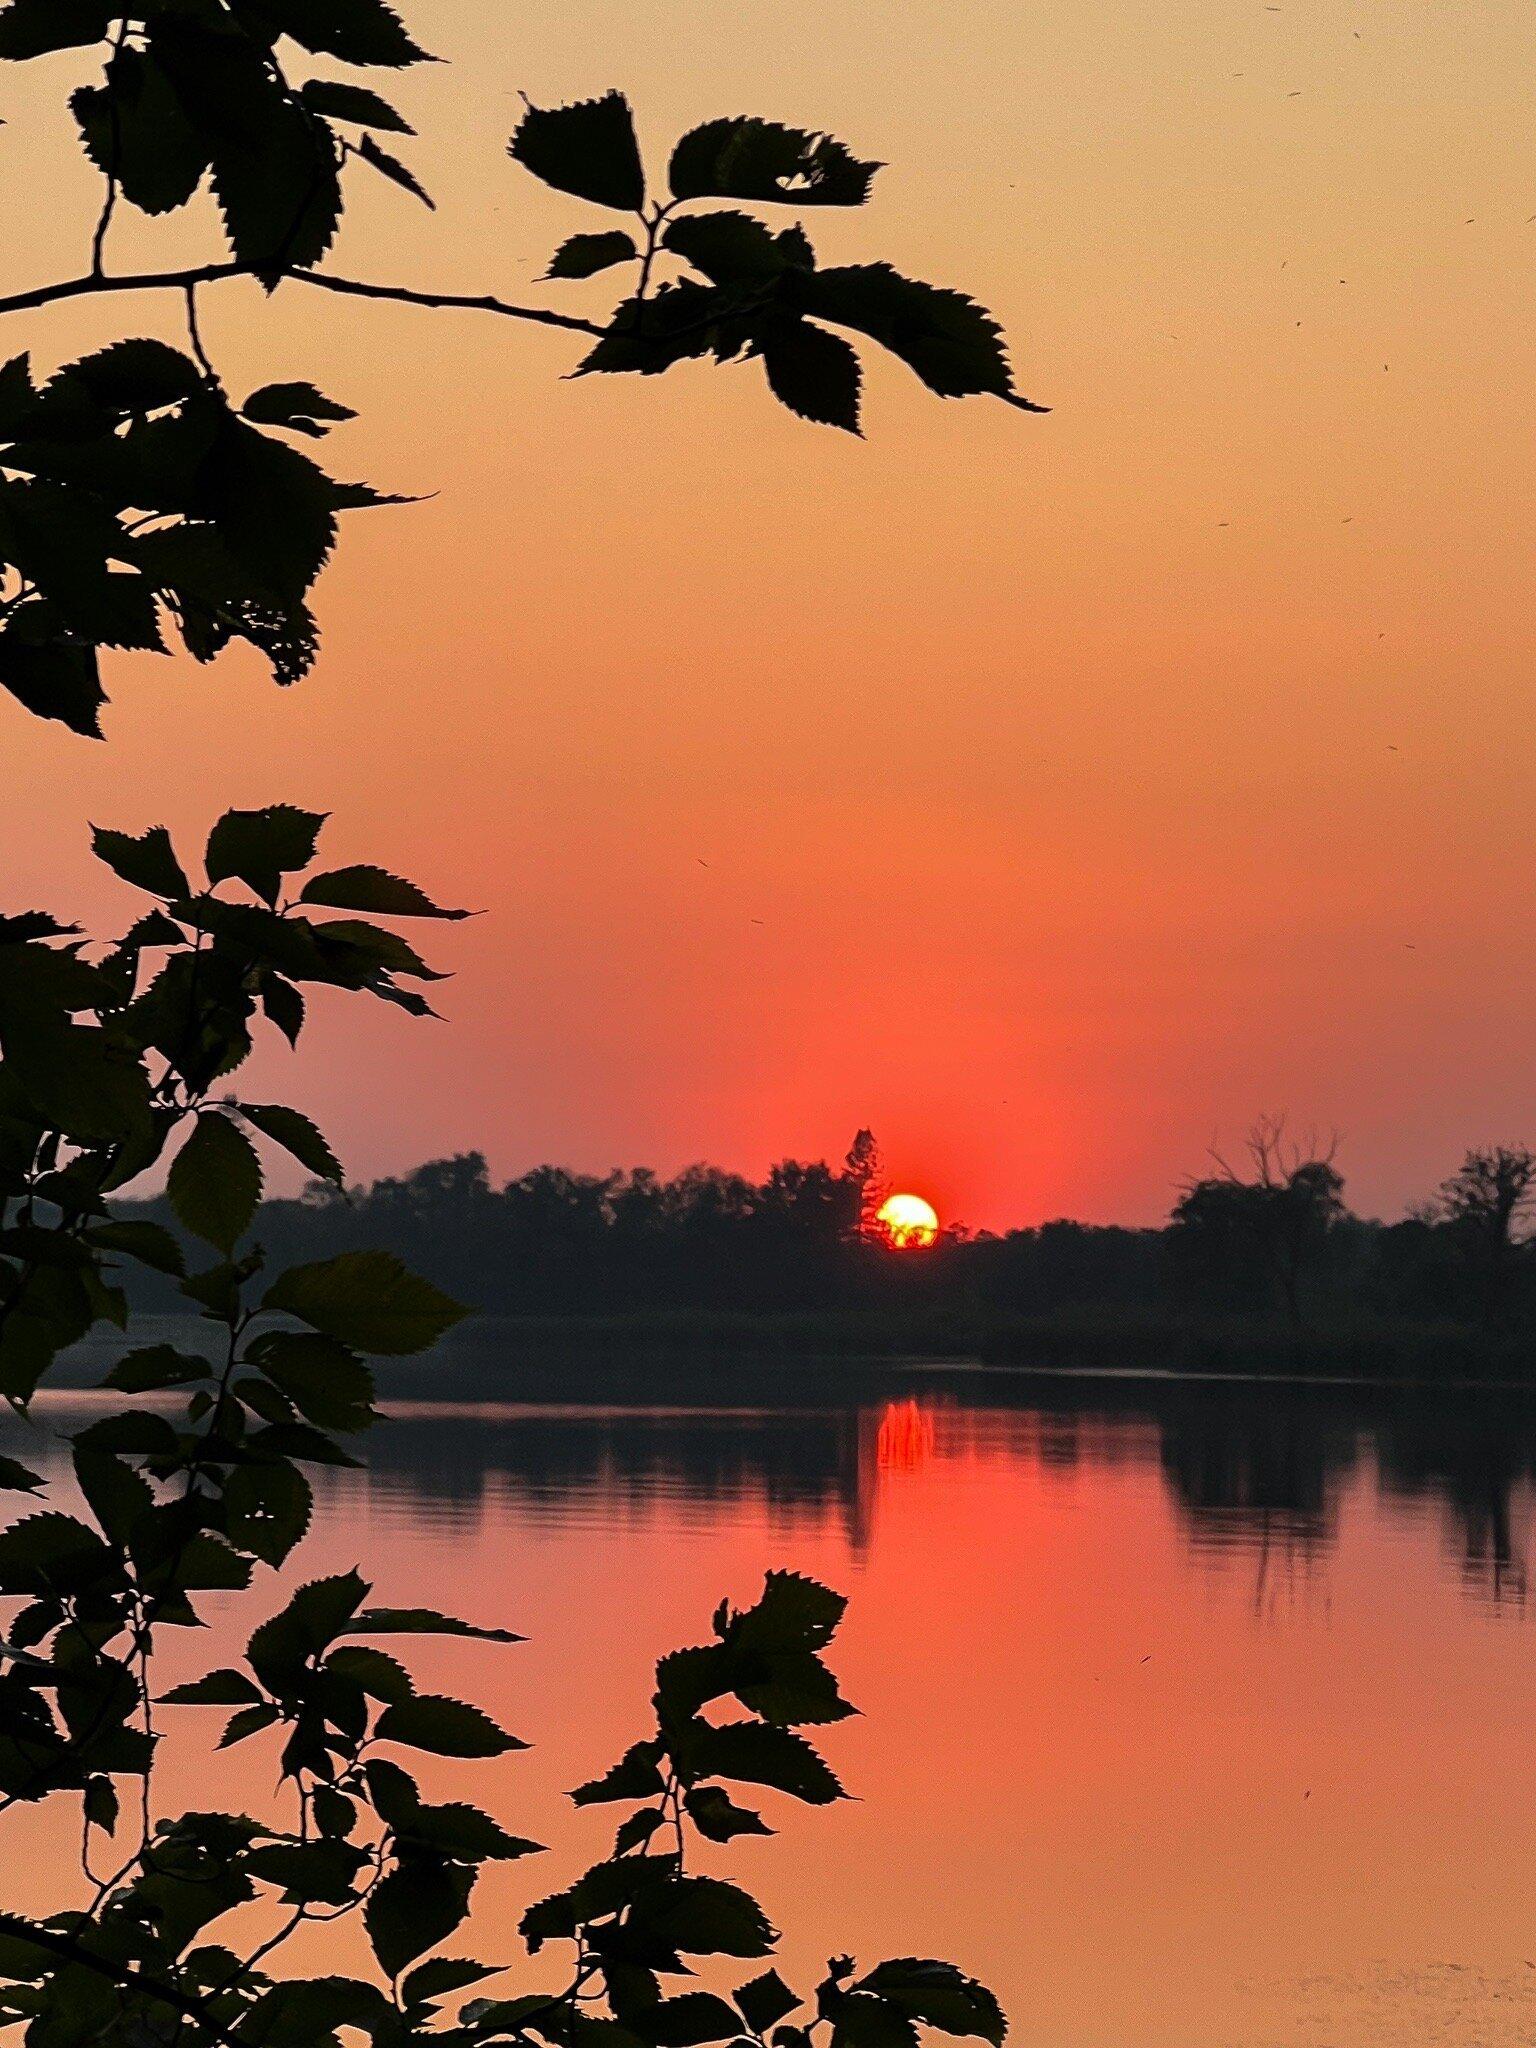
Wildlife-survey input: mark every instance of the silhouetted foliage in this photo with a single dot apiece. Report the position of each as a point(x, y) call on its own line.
point(143, 502)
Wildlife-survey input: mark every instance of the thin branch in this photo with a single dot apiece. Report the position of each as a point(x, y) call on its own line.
point(91, 286)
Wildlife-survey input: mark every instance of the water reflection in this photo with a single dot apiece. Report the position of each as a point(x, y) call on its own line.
point(1256, 1471)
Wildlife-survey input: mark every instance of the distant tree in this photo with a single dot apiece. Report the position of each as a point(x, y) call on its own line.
point(1488, 1203)
point(862, 1167)
point(1253, 1238)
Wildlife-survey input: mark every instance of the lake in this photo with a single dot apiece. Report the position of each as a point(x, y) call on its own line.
point(1195, 1715)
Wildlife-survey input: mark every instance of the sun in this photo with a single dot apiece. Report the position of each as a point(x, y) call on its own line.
point(908, 1221)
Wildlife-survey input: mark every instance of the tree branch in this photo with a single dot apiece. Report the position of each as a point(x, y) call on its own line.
point(92, 286)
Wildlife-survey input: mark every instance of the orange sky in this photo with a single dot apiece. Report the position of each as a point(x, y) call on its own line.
point(1055, 755)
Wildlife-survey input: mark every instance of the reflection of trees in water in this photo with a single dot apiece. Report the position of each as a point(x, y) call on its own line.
point(798, 1468)
point(1258, 1472)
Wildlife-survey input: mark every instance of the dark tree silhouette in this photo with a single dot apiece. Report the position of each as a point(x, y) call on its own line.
point(1488, 1202)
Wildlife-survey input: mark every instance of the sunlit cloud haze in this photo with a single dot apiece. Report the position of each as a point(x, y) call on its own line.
point(1050, 794)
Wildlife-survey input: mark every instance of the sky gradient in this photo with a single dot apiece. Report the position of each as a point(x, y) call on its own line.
point(1099, 781)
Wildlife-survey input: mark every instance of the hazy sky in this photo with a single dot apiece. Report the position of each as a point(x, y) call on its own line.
point(1099, 780)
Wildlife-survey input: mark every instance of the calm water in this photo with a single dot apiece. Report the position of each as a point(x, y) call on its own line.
point(1194, 1717)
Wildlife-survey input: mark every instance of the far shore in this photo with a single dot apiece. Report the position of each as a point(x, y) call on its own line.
point(504, 1356)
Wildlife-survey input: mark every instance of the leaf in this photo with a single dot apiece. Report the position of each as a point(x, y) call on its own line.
point(322, 1378)
point(755, 1754)
point(214, 1184)
point(939, 1995)
point(249, 1721)
point(283, 1006)
point(422, 1621)
point(745, 158)
point(861, 2021)
point(588, 149)
point(260, 847)
point(444, 1727)
point(634, 1776)
point(224, 1688)
point(586, 255)
point(297, 1135)
point(368, 1300)
point(354, 104)
point(717, 1817)
point(689, 2020)
point(18, 1478)
point(150, 1243)
point(275, 164)
point(414, 1907)
point(442, 1975)
point(379, 1676)
point(280, 1650)
point(356, 31)
point(146, 863)
point(765, 2001)
point(33, 28)
point(101, 1805)
point(157, 1365)
point(374, 890)
point(954, 345)
point(297, 406)
point(136, 128)
point(814, 373)
point(267, 1510)
point(397, 173)
point(731, 247)
point(51, 677)
point(463, 1832)
point(704, 1916)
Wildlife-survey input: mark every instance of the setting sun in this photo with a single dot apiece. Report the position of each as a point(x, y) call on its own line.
point(908, 1221)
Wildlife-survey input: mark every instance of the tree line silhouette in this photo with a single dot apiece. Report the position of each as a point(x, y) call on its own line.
point(1268, 1235)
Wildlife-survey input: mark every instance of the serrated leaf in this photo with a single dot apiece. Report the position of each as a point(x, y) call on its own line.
point(374, 890)
point(753, 1753)
point(422, 1621)
point(743, 157)
point(444, 1727)
point(397, 173)
point(148, 862)
point(354, 104)
point(728, 248)
point(939, 1995)
point(260, 847)
point(587, 149)
point(297, 406)
point(367, 1300)
point(954, 345)
point(356, 31)
point(214, 1184)
point(297, 1135)
point(267, 1510)
point(415, 1906)
point(323, 1379)
point(51, 678)
point(135, 128)
point(150, 1243)
point(224, 1688)
point(18, 1478)
point(155, 1366)
point(717, 1816)
point(813, 373)
point(586, 255)
point(765, 2001)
